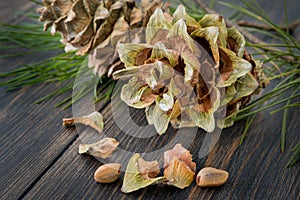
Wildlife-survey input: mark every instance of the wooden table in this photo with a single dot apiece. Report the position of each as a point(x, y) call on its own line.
point(39, 158)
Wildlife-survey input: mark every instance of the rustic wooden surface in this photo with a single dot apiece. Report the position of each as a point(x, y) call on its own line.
point(39, 158)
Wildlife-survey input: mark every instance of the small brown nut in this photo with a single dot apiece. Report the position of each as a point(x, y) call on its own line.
point(107, 173)
point(211, 177)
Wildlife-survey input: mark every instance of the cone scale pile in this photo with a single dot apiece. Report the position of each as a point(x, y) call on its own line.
point(186, 72)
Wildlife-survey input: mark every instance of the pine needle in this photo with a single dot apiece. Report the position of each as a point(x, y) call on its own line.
point(249, 122)
point(285, 53)
point(295, 157)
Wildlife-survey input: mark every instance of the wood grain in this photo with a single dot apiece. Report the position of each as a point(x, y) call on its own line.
point(39, 158)
point(257, 168)
point(32, 137)
point(14, 10)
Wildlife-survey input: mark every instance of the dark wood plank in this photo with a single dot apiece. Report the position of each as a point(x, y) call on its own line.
point(28, 143)
point(32, 137)
point(274, 10)
point(257, 168)
point(14, 10)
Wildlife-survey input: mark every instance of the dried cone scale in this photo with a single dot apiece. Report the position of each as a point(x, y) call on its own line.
point(177, 82)
point(179, 169)
point(84, 25)
point(148, 169)
point(140, 174)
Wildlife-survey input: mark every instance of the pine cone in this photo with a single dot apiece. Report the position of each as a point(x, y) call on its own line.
point(104, 58)
point(178, 82)
point(86, 24)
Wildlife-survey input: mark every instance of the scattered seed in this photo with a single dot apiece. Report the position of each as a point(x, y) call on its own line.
point(107, 173)
point(211, 177)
